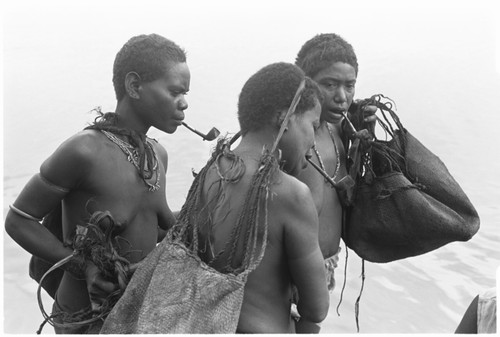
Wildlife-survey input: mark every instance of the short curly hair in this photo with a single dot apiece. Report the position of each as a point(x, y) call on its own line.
point(323, 50)
point(270, 91)
point(147, 55)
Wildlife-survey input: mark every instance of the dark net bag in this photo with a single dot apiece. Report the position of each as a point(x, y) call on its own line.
point(405, 201)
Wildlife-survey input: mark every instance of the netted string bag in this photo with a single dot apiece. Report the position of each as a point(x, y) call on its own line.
point(173, 290)
point(405, 202)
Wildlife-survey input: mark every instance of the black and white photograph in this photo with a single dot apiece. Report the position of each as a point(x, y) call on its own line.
point(223, 167)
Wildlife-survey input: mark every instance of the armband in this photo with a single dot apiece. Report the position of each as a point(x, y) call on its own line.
point(24, 214)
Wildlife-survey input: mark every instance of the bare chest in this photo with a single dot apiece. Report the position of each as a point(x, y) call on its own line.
point(330, 151)
point(114, 184)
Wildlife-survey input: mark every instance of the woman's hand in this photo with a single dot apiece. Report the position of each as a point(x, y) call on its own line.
point(97, 287)
point(370, 118)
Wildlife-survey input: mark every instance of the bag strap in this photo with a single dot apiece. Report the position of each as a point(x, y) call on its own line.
point(256, 231)
point(257, 251)
point(359, 159)
point(256, 245)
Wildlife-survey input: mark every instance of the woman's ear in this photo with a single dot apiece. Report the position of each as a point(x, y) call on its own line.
point(132, 84)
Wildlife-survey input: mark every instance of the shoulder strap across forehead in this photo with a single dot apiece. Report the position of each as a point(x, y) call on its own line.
point(291, 110)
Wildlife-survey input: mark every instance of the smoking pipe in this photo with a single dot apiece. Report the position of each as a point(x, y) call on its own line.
point(211, 135)
point(346, 183)
point(320, 170)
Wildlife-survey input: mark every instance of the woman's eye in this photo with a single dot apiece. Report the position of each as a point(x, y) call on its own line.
point(176, 93)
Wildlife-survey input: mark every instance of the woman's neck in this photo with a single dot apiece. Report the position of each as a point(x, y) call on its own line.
point(253, 143)
point(128, 118)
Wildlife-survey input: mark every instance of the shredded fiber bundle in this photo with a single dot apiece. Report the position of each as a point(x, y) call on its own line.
point(406, 202)
point(94, 242)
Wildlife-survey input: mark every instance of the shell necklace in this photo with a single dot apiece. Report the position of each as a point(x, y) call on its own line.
point(322, 165)
point(133, 157)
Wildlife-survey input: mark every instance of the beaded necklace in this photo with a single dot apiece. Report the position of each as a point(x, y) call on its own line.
point(337, 167)
point(133, 157)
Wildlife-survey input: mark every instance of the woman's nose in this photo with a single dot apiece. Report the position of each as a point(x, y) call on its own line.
point(340, 96)
point(183, 104)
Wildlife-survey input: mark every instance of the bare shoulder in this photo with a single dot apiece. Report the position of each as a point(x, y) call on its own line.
point(83, 143)
point(294, 197)
point(291, 189)
point(73, 157)
point(161, 152)
point(298, 217)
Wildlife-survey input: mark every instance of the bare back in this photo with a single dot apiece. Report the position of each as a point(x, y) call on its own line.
point(292, 253)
